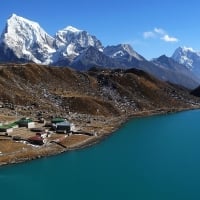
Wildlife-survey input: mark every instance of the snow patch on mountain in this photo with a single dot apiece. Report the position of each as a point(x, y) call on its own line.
point(120, 51)
point(72, 29)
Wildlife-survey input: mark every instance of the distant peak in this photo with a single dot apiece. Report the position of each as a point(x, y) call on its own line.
point(184, 48)
point(72, 29)
point(15, 20)
point(163, 56)
point(15, 16)
point(125, 45)
point(188, 49)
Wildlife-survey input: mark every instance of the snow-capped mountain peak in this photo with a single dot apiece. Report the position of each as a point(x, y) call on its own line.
point(15, 20)
point(70, 42)
point(27, 40)
point(188, 57)
point(187, 49)
point(72, 29)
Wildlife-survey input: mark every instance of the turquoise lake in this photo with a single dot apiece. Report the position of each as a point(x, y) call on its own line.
point(151, 158)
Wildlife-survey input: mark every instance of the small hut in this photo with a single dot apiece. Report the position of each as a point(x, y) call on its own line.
point(26, 122)
point(36, 140)
point(62, 127)
point(6, 129)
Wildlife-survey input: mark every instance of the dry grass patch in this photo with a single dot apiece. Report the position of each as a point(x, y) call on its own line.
point(74, 140)
point(11, 146)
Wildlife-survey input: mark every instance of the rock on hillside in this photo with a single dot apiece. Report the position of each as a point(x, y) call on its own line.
point(196, 92)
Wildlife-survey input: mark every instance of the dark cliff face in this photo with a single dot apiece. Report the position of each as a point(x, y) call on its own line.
point(196, 92)
point(7, 55)
point(104, 92)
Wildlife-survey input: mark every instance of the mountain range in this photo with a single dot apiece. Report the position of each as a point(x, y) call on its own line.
point(23, 41)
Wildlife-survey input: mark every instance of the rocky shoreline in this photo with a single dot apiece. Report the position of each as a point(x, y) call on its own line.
point(102, 133)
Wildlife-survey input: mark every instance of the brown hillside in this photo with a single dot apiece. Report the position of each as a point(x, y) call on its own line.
point(55, 90)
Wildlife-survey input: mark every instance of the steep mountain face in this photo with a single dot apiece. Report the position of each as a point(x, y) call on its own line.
point(71, 42)
point(24, 40)
point(123, 54)
point(176, 73)
point(196, 92)
point(91, 57)
point(188, 57)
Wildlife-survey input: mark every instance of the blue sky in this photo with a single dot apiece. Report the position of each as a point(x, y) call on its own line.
point(152, 27)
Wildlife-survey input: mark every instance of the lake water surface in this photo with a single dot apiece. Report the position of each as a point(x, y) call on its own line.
point(154, 158)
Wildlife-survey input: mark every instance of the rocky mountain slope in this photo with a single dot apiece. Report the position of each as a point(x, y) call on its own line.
point(33, 88)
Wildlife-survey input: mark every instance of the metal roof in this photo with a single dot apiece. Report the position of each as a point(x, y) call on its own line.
point(57, 120)
point(65, 123)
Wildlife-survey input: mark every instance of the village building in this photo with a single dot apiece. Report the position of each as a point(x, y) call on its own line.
point(26, 122)
point(61, 125)
point(36, 140)
point(6, 129)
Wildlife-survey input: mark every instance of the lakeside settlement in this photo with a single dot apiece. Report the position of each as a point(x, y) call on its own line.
point(28, 139)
